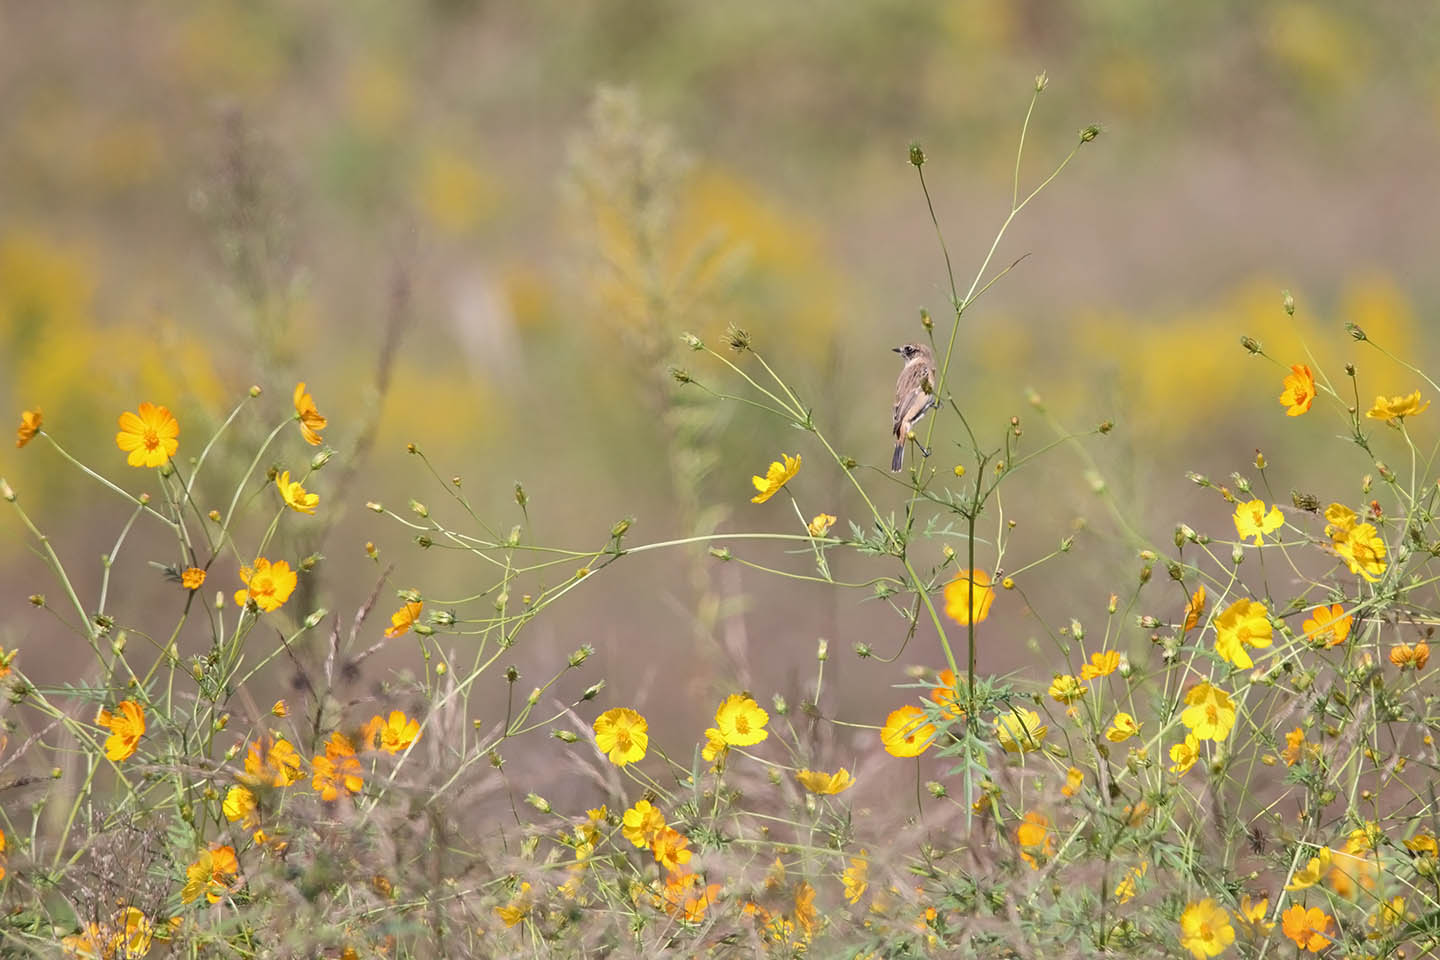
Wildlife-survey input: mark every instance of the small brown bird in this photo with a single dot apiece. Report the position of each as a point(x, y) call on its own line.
point(914, 394)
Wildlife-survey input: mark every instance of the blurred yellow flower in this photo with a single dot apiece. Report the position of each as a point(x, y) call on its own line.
point(1034, 838)
point(1205, 929)
point(1424, 844)
point(240, 805)
point(818, 781)
point(1397, 408)
point(1101, 665)
point(1019, 730)
point(1299, 390)
point(149, 437)
point(337, 767)
point(1327, 626)
point(1125, 889)
point(1183, 755)
point(821, 525)
point(776, 477)
point(1195, 609)
point(1242, 624)
point(403, 619)
point(642, 823)
point(1074, 779)
point(856, 877)
point(1210, 713)
point(741, 721)
point(268, 584)
point(193, 578)
point(685, 897)
point(1294, 742)
point(1252, 917)
point(1388, 915)
point(311, 420)
point(805, 914)
point(30, 423)
point(947, 696)
point(1252, 520)
point(279, 709)
point(1066, 688)
point(671, 849)
point(214, 873)
point(907, 733)
point(1404, 655)
point(294, 495)
point(1312, 872)
point(1340, 519)
point(392, 734)
point(1122, 728)
point(1308, 928)
point(1363, 551)
point(126, 725)
point(133, 935)
point(959, 601)
point(517, 909)
point(273, 764)
point(620, 734)
point(715, 745)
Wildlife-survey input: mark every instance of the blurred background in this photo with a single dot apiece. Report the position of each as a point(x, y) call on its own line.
point(480, 227)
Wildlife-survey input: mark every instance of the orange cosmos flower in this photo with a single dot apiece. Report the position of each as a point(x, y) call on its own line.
point(193, 578)
point(671, 849)
point(961, 599)
point(268, 584)
point(1299, 390)
point(394, 734)
point(403, 619)
point(1195, 609)
point(274, 764)
point(127, 726)
point(1308, 928)
point(687, 897)
point(294, 495)
point(337, 768)
point(818, 781)
point(215, 873)
point(1034, 838)
point(1404, 655)
point(1101, 665)
point(311, 420)
point(149, 437)
point(906, 732)
point(1328, 626)
point(30, 422)
point(946, 696)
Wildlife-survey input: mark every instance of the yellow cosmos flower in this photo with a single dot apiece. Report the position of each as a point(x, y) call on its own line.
point(686, 896)
point(517, 909)
point(149, 436)
point(311, 420)
point(403, 619)
point(1363, 551)
point(1294, 743)
point(1299, 390)
point(1312, 872)
point(192, 578)
point(856, 877)
point(1389, 915)
point(671, 849)
point(821, 525)
point(642, 823)
point(1205, 929)
point(30, 423)
point(776, 477)
point(1066, 688)
point(1242, 624)
point(1424, 844)
point(741, 721)
point(715, 745)
point(1074, 779)
point(294, 495)
point(947, 696)
point(214, 873)
point(268, 584)
point(805, 913)
point(907, 732)
point(1101, 665)
point(134, 933)
point(1195, 609)
point(240, 805)
point(279, 709)
point(818, 781)
point(1252, 917)
point(620, 733)
point(1252, 520)
point(1122, 728)
point(1034, 838)
point(1020, 730)
point(961, 598)
point(1210, 712)
point(1327, 626)
point(126, 725)
point(273, 764)
point(1405, 655)
point(1125, 889)
point(392, 734)
point(1397, 408)
point(337, 768)
point(1183, 755)
point(1308, 928)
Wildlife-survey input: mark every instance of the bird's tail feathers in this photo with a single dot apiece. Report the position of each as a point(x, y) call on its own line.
point(898, 460)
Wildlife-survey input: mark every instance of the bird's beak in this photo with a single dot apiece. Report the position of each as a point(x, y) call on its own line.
point(896, 350)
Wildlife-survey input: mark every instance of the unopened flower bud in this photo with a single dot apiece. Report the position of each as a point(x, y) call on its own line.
point(692, 341)
point(781, 707)
point(1090, 133)
point(1252, 345)
point(424, 629)
point(419, 509)
point(581, 655)
point(534, 697)
point(371, 551)
point(37, 599)
point(521, 497)
point(564, 736)
point(375, 507)
point(621, 527)
point(255, 391)
point(1237, 555)
point(1042, 80)
point(822, 650)
point(214, 516)
point(1355, 331)
point(442, 618)
point(593, 691)
point(313, 621)
point(720, 553)
point(925, 320)
point(7, 491)
point(1008, 583)
point(321, 458)
point(917, 154)
point(936, 788)
point(538, 802)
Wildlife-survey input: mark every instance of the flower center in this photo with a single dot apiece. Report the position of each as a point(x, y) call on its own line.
point(262, 585)
point(152, 439)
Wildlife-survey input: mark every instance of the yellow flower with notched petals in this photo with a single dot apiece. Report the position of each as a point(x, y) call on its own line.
point(1327, 626)
point(1122, 728)
point(776, 477)
point(268, 584)
point(1312, 872)
point(126, 725)
point(1183, 755)
point(337, 768)
point(1363, 551)
point(961, 598)
point(1066, 688)
point(214, 873)
point(642, 823)
point(856, 877)
point(1294, 743)
point(1252, 520)
point(1074, 779)
point(1308, 928)
point(1100, 665)
point(1406, 655)
point(1339, 519)
point(1244, 623)
point(517, 909)
point(1252, 917)
point(1210, 712)
point(818, 781)
point(192, 578)
point(274, 764)
point(392, 734)
point(1195, 609)
point(1299, 390)
point(907, 732)
point(821, 525)
point(240, 805)
point(311, 420)
point(1125, 889)
point(671, 849)
point(620, 734)
point(946, 696)
point(1397, 408)
point(149, 436)
point(1020, 730)
point(403, 619)
point(294, 495)
point(741, 721)
point(715, 746)
point(1034, 838)
point(30, 423)
point(1205, 929)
